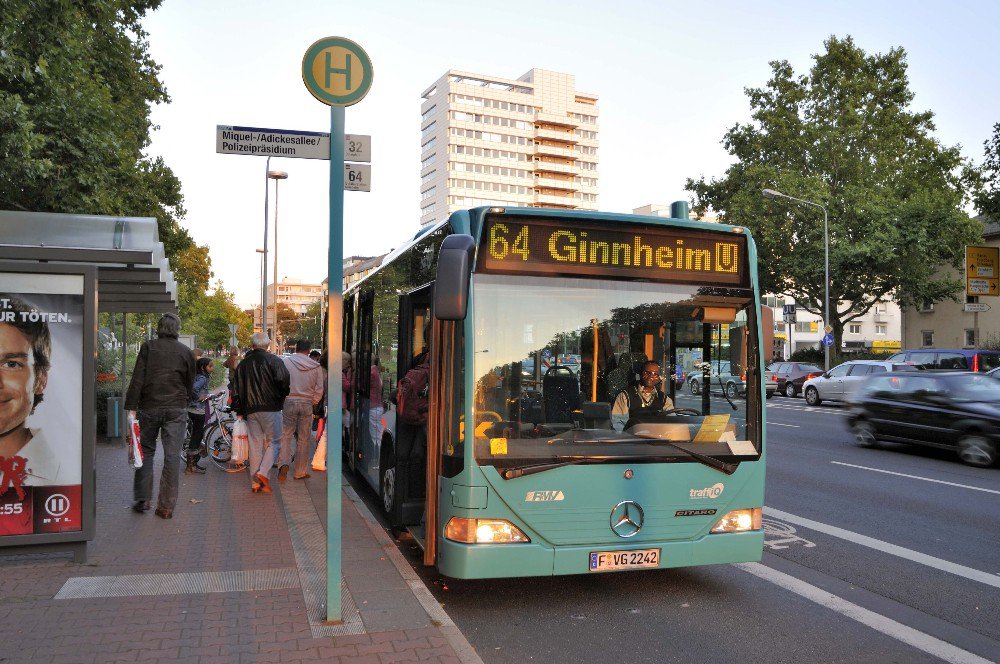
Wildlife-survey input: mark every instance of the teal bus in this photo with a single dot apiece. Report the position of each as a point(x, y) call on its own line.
point(527, 325)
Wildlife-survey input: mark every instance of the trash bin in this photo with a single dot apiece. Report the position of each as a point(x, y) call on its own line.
point(115, 417)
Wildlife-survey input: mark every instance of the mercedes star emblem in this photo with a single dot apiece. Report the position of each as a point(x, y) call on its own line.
point(626, 519)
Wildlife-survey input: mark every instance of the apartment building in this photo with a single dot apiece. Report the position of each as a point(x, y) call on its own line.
point(357, 268)
point(879, 330)
point(526, 142)
point(296, 294)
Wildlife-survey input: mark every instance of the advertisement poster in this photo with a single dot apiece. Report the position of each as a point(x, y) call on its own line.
point(41, 393)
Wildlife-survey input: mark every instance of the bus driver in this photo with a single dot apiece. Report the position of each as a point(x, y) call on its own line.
point(646, 398)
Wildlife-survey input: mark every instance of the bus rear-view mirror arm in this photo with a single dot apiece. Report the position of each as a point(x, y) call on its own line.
point(451, 288)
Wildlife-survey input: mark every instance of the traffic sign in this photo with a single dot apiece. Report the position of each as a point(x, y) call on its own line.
point(357, 147)
point(976, 306)
point(982, 270)
point(232, 328)
point(788, 309)
point(233, 341)
point(827, 339)
point(337, 71)
point(357, 177)
point(828, 329)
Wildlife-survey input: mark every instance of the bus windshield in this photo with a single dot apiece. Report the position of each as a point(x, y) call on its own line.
point(553, 355)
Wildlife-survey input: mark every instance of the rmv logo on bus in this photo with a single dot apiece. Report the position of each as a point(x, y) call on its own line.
point(544, 496)
point(713, 491)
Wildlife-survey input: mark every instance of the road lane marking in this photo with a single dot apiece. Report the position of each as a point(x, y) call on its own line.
point(892, 549)
point(779, 424)
point(785, 535)
point(916, 477)
point(876, 621)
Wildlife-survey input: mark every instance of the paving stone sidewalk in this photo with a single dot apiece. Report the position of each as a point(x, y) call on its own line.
point(228, 579)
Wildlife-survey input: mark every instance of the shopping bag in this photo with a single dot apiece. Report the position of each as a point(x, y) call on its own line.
point(134, 448)
point(241, 442)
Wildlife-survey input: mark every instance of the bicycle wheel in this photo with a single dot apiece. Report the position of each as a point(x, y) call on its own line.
point(220, 448)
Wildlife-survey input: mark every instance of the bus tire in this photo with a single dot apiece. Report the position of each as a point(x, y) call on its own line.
point(388, 480)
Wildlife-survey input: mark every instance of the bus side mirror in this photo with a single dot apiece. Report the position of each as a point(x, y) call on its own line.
point(451, 288)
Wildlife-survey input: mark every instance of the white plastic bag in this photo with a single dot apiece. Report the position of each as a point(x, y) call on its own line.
point(134, 447)
point(241, 442)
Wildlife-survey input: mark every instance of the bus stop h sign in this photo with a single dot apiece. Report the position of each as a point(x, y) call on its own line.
point(337, 71)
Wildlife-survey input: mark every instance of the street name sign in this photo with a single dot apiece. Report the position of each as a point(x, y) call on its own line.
point(982, 270)
point(260, 142)
point(976, 307)
point(357, 177)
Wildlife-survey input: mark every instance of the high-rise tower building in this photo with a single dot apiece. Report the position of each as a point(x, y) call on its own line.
point(530, 142)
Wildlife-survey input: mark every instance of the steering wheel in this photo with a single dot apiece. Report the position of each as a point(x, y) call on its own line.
point(681, 411)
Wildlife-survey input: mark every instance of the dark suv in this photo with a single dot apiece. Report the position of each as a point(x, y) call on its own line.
point(951, 410)
point(955, 359)
point(791, 375)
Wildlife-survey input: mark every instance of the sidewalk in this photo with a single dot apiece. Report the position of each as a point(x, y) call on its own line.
point(233, 577)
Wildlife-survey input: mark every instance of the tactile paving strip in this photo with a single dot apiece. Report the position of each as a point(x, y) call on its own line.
point(80, 587)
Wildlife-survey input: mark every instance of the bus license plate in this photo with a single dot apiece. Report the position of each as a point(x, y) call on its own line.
point(607, 561)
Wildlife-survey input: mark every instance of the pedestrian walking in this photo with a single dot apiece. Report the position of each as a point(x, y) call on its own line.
point(305, 391)
point(232, 361)
point(260, 386)
point(159, 392)
point(196, 413)
point(347, 381)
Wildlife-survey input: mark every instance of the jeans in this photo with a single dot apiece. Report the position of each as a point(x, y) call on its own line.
point(261, 428)
point(296, 418)
point(167, 424)
point(197, 430)
point(276, 436)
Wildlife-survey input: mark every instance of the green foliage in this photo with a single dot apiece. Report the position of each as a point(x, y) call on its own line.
point(311, 327)
point(209, 316)
point(76, 87)
point(987, 196)
point(844, 136)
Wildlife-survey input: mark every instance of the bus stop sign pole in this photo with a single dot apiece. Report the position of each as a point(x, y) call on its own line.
point(337, 72)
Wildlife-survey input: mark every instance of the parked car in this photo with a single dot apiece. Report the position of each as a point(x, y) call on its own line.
point(839, 383)
point(950, 410)
point(960, 359)
point(734, 385)
point(790, 376)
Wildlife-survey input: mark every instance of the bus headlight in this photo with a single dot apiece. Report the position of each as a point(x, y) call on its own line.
point(739, 521)
point(483, 531)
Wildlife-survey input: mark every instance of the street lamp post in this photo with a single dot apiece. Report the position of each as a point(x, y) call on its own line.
point(772, 193)
point(263, 287)
point(276, 176)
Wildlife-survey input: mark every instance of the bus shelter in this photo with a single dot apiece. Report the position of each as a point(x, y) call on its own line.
point(57, 271)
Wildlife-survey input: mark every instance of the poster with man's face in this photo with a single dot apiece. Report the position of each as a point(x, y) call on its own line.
point(41, 392)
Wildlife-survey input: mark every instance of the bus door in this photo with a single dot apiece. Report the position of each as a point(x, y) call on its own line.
point(361, 442)
point(408, 458)
point(349, 332)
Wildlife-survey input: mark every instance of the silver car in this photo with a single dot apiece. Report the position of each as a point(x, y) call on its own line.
point(840, 382)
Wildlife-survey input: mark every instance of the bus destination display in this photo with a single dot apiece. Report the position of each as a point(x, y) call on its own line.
point(543, 246)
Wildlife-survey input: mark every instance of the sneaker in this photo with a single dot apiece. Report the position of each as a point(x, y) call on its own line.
point(302, 476)
point(283, 472)
point(319, 470)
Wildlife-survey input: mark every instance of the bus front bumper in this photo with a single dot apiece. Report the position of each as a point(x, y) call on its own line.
point(488, 561)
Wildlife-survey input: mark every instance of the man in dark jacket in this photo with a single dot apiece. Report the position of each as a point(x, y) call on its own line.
point(160, 388)
point(260, 386)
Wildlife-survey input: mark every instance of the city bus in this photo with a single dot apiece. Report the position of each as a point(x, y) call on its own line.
point(528, 324)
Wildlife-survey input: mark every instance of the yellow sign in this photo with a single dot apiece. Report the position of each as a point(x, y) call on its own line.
point(982, 270)
point(887, 344)
point(712, 427)
point(498, 446)
point(336, 71)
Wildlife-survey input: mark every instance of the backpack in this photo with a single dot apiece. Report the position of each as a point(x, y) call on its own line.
point(412, 395)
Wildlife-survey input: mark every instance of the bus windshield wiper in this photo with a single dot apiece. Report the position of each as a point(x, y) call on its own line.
point(558, 462)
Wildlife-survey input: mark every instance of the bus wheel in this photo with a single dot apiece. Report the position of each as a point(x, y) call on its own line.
point(976, 450)
point(694, 386)
point(388, 488)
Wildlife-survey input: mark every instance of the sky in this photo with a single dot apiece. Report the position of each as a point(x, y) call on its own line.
point(670, 77)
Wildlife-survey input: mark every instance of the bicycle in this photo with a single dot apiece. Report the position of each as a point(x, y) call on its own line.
point(217, 439)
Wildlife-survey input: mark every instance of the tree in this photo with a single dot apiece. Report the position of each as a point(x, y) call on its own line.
point(312, 324)
point(288, 324)
point(988, 195)
point(76, 87)
point(844, 136)
point(209, 316)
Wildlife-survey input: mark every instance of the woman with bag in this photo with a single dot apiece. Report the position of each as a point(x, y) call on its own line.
point(196, 413)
